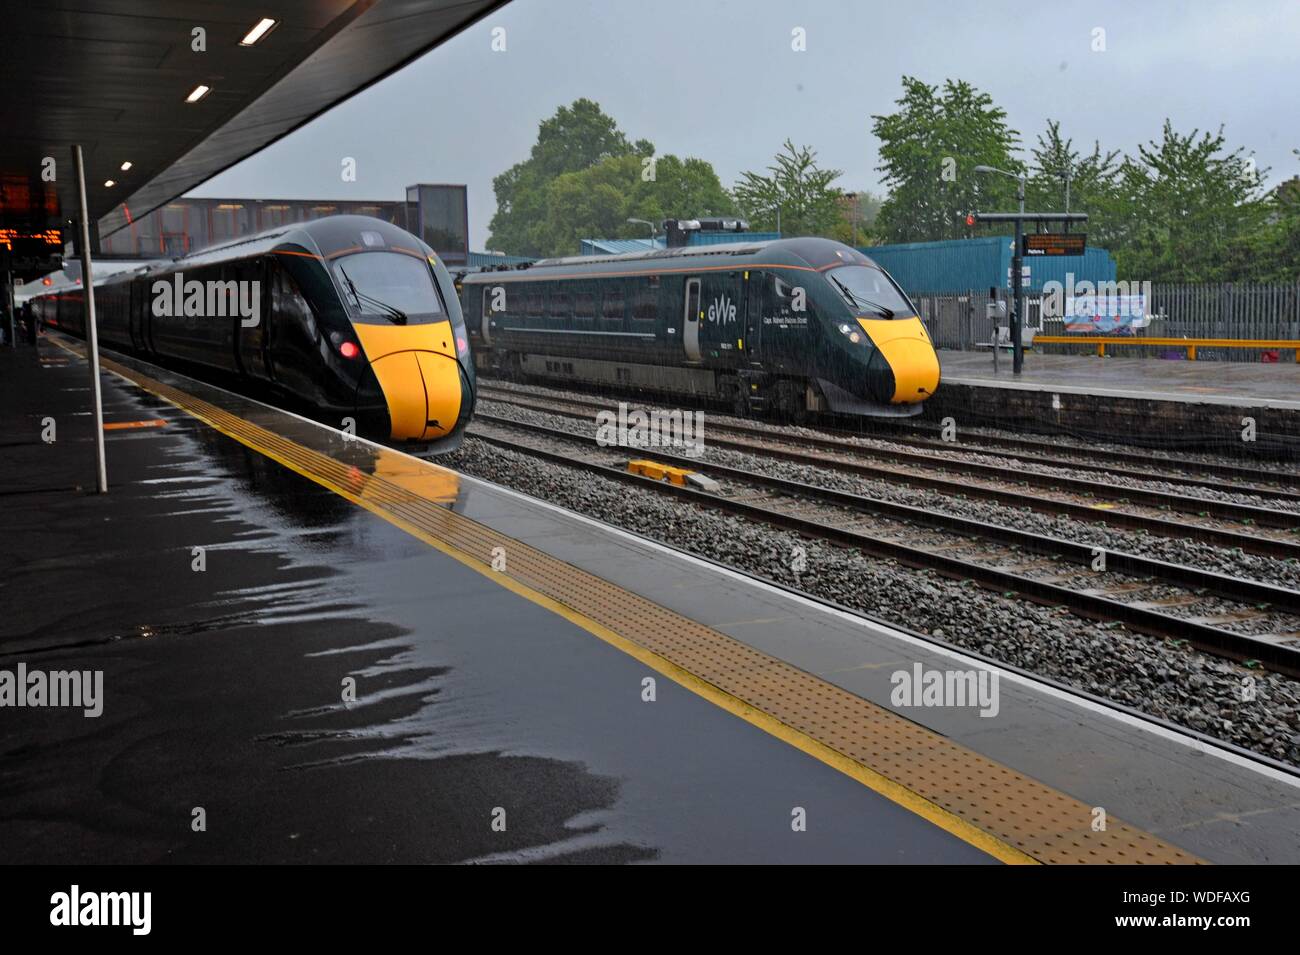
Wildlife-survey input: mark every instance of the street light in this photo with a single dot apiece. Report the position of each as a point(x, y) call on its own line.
point(646, 222)
point(1017, 288)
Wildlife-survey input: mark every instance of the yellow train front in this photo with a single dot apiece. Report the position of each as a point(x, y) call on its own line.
point(349, 319)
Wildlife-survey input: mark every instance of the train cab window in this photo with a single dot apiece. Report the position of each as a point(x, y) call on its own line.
point(559, 307)
point(612, 307)
point(869, 292)
point(584, 308)
point(388, 287)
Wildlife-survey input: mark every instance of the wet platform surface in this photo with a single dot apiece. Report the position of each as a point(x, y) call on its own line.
point(225, 685)
point(1215, 382)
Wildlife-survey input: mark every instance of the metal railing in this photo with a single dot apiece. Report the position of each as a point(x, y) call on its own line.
point(1220, 322)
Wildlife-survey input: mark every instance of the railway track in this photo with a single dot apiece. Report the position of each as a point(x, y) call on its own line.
point(1190, 471)
point(1279, 540)
point(1244, 620)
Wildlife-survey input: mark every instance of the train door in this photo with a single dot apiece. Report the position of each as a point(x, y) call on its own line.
point(486, 299)
point(691, 315)
point(722, 334)
point(136, 306)
point(753, 317)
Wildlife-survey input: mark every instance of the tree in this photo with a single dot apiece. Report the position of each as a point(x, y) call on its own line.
point(575, 138)
point(797, 186)
point(858, 212)
point(597, 202)
point(1092, 181)
point(1271, 253)
point(1184, 207)
point(584, 179)
point(929, 149)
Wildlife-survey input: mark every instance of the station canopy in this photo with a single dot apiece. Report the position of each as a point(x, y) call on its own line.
point(115, 76)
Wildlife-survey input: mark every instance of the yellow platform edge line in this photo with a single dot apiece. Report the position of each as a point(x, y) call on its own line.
point(876, 782)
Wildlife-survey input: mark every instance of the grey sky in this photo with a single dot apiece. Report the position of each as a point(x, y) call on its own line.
point(718, 79)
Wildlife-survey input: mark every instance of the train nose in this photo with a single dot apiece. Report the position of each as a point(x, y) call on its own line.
point(421, 381)
point(423, 392)
point(904, 367)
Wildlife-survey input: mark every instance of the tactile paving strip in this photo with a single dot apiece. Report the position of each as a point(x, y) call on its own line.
point(1038, 821)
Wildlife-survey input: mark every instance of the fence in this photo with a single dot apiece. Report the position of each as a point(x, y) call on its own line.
point(1228, 310)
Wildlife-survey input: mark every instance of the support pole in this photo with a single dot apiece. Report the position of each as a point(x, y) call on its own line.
point(1017, 292)
point(92, 332)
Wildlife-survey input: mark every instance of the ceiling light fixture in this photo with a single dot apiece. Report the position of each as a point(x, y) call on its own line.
point(199, 92)
point(126, 165)
point(109, 183)
point(264, 26)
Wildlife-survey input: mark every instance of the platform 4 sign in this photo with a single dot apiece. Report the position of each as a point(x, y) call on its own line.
point(1054, 243)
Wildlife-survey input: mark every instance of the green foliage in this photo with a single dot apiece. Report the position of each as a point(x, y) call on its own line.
point(929, 149)
point(597, 202)
point(798, 187)
point(1092, 180)
point(584, 179)
point(1183, 208)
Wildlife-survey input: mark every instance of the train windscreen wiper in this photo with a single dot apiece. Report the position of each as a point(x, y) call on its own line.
point(856, 299)
point(396, 314)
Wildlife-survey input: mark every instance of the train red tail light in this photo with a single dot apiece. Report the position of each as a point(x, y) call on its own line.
point(349, 350)
point(462, 346)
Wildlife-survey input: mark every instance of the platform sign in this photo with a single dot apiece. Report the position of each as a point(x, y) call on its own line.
point(1054, 243)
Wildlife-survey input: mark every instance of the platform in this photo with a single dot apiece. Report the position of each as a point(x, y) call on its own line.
point(500, 649)
point(1140, 397)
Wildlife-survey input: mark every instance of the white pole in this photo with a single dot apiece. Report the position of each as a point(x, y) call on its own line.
point(92, 332)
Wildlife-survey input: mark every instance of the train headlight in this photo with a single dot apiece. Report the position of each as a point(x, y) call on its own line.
point(851, 333)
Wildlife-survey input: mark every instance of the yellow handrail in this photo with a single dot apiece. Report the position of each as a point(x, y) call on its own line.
point(1191, 344)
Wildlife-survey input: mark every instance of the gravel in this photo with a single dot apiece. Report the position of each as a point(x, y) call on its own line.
point(1175, 550)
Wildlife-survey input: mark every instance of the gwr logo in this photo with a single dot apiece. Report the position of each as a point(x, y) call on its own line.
point(722, 311)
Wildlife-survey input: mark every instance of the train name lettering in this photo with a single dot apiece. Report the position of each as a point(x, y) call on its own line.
point(722, 311)
point(211, 299)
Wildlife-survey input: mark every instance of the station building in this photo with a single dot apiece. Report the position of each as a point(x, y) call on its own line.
point(438, 213)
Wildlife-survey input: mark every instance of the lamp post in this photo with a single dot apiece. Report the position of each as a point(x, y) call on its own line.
point(1017, 290)
point(646, 222)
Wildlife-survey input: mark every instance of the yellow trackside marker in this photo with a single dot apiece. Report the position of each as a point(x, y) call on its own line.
point(658, 472)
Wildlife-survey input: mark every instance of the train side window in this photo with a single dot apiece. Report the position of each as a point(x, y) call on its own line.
point(560, 307)
point(612, 307)
point(645, 308)
point(584, 308)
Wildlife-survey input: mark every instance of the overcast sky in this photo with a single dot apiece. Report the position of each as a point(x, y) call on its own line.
point(718, 79)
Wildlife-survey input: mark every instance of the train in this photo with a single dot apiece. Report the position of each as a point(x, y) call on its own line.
point(347, 317)
point(791, 326)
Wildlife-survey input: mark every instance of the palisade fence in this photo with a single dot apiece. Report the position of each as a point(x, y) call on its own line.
point(1241, 311)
